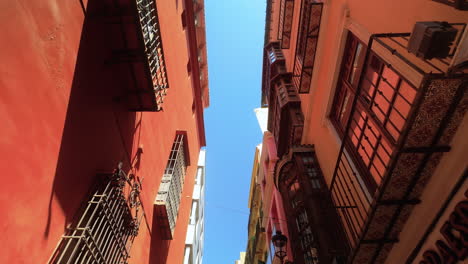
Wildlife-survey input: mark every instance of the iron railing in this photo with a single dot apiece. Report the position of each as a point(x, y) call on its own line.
point(168, 199)
point(306, 45)
point(380, 131)
point(394, 45)
point(350, 197)
point(108, 226)
point(378, 114)
point(285, 22)
point(149, 25)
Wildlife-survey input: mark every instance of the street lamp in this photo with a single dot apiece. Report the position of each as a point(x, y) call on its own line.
point(279, 241)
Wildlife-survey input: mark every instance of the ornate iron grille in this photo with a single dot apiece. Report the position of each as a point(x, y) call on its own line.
point(149, 24)
point(307, 37)
point(285, 22)
point(168, 198)
point(108, 226)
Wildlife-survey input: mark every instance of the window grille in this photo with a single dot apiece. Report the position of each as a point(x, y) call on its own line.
point(285, 22)
point(149, 24)
point(306, 45)
point(108, 225)
point(168, 198)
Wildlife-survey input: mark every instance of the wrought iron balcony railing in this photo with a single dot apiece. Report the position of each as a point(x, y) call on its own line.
point(135, 40)
point(401, 121)
point(108, 225)
point(285, 22)
point(154, 59)
point(306, 45)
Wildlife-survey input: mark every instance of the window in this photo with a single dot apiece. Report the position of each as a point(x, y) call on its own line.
point(285, 22)
point(380, 112)
point(306, 45)
point(302, 180)
point(149, 26)
point(108, 225)
point(312, 172)
point(170, 190)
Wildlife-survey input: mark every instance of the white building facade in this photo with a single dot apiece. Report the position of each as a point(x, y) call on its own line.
point(196, 227)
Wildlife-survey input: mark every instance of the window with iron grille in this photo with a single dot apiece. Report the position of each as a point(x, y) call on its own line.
point(149, 25)
point(380, 112)
point(306, 45)
point(108, 225)
point(170, 190)
point(285, 22)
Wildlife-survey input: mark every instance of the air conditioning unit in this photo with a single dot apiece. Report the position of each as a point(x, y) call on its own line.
point(432, 39)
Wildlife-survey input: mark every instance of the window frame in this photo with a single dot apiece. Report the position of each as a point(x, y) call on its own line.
point(298, 206)
point(368, 110)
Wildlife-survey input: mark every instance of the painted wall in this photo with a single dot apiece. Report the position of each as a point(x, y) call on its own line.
point(274, 215)
point(363, 18)
point(61, 125)
point(194, 240)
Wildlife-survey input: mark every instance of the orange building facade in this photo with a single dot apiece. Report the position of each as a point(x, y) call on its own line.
point(102, 103)
point(367, 109)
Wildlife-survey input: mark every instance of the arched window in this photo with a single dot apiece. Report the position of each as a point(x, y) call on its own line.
point(314, 229)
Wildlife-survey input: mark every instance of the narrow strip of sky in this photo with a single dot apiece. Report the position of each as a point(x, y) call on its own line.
point(235, 33)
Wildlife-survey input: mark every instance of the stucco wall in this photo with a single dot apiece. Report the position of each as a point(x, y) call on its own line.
point(61, 126)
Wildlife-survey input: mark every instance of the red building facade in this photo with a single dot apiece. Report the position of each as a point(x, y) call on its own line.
point(97, 97)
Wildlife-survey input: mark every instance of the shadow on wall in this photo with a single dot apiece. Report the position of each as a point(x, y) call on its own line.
point(98, 132)
point(159, 248)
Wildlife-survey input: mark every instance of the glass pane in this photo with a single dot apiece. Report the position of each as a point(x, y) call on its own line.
point(316, 184)
point(357, 57)
point(345, 108)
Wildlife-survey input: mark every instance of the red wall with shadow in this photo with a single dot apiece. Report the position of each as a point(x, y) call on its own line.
point(65, 120)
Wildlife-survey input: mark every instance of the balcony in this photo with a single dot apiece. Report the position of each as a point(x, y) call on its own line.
point(306, 47)
point(273, 65)
point(401, 122)
point(136, 51)
point(285, 118)
point(458, 4)
point(285, 22)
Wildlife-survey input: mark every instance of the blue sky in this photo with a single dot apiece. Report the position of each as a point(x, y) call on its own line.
point(235, 33)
